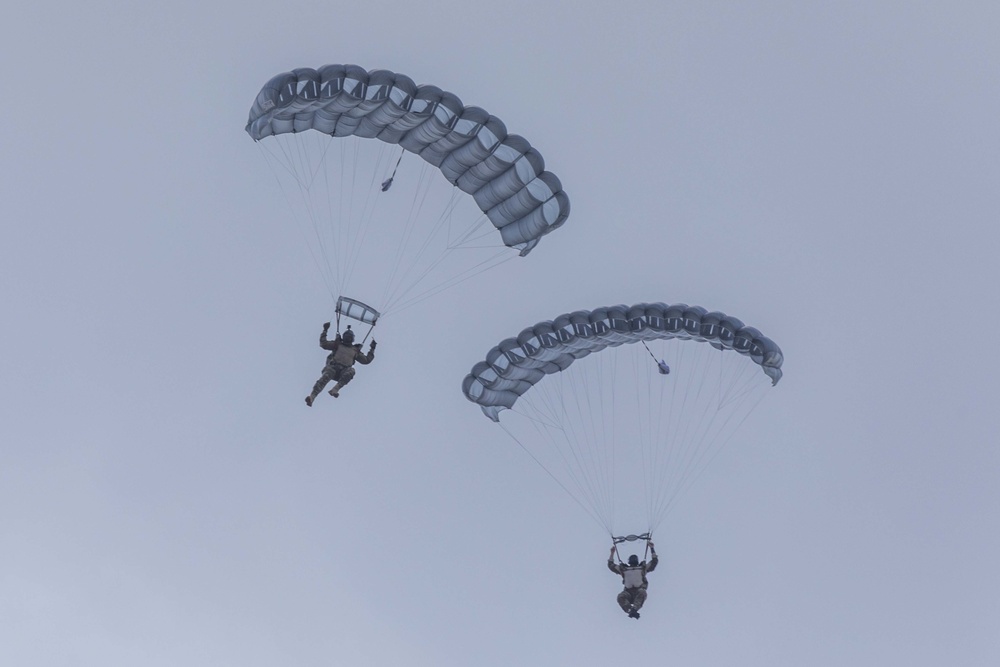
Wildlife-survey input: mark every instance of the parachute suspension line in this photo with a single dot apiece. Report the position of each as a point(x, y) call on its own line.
point(342, 235)
point(656, 425)
point(401, 269)
point(644, 421)
point(485, 265)
point(572, 443)
point(676, 431)
point(630, 375)
point(345, 195)
point(712, 403)
point(321, 230)
point(660, 452)
point(274, 161)
point(397, 258)
point(415, 281)
point(561, 485)
point(409, 282)
point(703, 397)
point(334, 232)
point(564, 440)
point(587, 438)
point(648, 400)
point(539, 418)
point(602, 445)
point(344, 229)
point(302, 168)
point(609, 422)
point(589, 431)
point(345, 224)
point(445, 222)
point(666, 419)
point(368, 208)
point(478, 230)
point(613, 435)
point(692, 478)
point(739, 382)
point(686, 443)
point(725, 431)
point(690, 439)
point(717, 427)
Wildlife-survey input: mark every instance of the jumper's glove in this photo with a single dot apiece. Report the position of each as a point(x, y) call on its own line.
point(372, 347)
point(326, 325)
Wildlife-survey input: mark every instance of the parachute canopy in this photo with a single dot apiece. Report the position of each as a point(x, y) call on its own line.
point(472, 148)
point(591, 398)
point(517, 364)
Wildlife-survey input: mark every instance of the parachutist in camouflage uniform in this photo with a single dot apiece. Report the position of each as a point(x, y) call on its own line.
point(340, 361)
point(633, 576)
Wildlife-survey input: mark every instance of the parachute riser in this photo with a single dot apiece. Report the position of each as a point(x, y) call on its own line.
point(356, 310)
point(367, 333)
point(631, 538)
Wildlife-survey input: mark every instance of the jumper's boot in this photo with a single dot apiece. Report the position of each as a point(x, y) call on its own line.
point(335, 392)
point(309, 399)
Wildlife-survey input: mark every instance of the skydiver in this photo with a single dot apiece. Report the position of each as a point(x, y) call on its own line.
point(340, 362)
point(633, 577)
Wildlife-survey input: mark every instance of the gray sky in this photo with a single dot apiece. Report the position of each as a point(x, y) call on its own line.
point(826, 172)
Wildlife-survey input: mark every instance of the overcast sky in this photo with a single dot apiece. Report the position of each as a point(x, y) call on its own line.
point(828, 172)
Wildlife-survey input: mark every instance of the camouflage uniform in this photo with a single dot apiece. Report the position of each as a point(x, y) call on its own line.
point(633, 577)
point(339, 363)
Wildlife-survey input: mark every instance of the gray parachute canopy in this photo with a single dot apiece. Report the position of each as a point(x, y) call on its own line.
point(515, 365)
point(503, 173)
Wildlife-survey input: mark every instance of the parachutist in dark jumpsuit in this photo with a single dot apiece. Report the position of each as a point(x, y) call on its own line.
point(633, 576)
point(340, 362)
